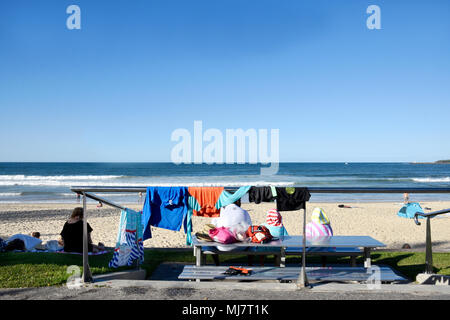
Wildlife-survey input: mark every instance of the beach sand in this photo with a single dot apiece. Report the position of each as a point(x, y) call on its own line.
point(378, 220)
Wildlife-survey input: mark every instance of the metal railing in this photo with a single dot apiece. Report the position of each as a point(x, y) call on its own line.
point(87, 192)
point(428, 244)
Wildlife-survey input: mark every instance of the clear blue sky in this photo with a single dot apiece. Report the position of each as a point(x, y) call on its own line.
point(137, 70)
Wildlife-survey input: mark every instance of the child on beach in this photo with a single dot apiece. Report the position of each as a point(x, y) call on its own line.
point(72, 234)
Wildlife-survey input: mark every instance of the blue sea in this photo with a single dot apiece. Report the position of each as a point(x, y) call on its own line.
point(51, 182)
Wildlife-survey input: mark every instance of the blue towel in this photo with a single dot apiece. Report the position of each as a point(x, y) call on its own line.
point(164, 207)
point(227, 198)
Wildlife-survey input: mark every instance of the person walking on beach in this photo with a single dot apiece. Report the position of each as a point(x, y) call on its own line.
point(406, 198)
point(72, 234)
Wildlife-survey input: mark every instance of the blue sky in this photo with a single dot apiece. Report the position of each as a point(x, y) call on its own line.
point(137, 70)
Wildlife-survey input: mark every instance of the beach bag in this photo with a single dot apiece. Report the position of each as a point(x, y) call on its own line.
point(259, 234)
point(240, 231)
point(222, 235)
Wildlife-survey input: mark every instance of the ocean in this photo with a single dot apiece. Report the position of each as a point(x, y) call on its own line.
point(51, 182)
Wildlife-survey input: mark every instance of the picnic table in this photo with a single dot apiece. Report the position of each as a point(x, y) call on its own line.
point(339, 242)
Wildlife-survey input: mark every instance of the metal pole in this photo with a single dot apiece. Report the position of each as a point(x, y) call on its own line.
point(87, 276)
point(302, 281)
point(108, 202)
point(429, 252)
point(80, 189)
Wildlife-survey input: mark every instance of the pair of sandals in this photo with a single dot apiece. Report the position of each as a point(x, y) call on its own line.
point(204, 234)
point(234, 271)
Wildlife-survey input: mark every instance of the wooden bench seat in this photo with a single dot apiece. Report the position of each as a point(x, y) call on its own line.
point(353, 253)
point(359, 274)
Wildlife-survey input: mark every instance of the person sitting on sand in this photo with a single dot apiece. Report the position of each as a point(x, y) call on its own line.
point(72, 234)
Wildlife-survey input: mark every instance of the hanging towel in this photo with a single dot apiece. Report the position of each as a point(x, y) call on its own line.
point(260, 194)
point(227, 198)
point(192, 205)
point(164, 207)
point(207, 198)
point(274, 191)
point(291, 198)
point(129, 245)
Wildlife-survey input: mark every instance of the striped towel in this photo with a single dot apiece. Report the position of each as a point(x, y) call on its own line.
point(130, 246)
point(314, 230)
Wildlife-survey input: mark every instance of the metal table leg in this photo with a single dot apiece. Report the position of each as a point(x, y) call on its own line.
point(283, 257)
point(198, 258)
point(367, 259)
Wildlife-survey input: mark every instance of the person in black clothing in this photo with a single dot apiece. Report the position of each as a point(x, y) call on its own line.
point(72, 234)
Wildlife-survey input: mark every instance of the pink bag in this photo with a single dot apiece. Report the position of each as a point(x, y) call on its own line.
point(222, 235)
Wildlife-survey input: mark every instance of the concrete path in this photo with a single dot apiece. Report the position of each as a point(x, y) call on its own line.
point(186, 290)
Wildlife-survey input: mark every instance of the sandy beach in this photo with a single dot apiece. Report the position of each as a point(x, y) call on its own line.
point(378, 220)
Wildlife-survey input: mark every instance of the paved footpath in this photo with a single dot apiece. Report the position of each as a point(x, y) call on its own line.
point(176, 290)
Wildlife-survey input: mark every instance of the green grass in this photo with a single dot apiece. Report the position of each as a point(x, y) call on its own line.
point(19, 270)
point(408, 264)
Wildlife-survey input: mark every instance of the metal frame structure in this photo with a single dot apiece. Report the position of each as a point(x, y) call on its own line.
point(428, 245)
point(87, 192)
